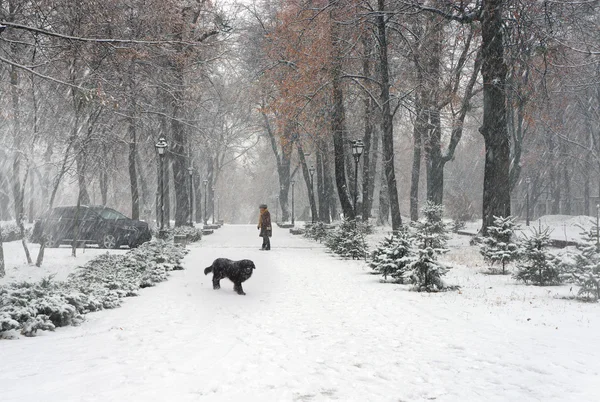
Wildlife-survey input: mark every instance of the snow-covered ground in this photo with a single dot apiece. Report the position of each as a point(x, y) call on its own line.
point(562, 227)
point(315, 328)
point(58, 262)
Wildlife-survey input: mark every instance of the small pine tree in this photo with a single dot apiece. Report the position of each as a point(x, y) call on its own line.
point(430, 237)
point(586, 271)
point(315, 231)
point(499, 244)
point(348, 240)
point(430, 231)
point(539, 266)
point(392, 256)
point(426, 272)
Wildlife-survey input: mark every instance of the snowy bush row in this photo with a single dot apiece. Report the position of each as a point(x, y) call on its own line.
point(11, 232)
point(101, 283)
point(348, 239)
point(192, 233)
point(316, 231)
point(406, 256)
point(537, 265)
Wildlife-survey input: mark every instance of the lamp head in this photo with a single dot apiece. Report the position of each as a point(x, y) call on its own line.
point(161, 146)
point(357, 148)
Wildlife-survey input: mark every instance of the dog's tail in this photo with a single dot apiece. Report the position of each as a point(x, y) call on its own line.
point(207, 270)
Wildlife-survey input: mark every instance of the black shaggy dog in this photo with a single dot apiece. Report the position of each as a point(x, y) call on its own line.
point(236, 271)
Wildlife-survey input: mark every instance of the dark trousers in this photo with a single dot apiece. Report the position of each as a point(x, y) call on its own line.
point(266, 243)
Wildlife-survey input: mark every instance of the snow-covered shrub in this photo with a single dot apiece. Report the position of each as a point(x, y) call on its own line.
point(500, 245)
point(23, 302)
point(315, 231)
point(539, 266)
point(32, 325)
point(12, 232)
point(586, 269)
point(192, 233)
point(392, 256)
point(348, 239)
point(7, 322)
point(99, 284)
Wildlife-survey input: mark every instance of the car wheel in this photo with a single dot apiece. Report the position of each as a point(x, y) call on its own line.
point(108, 241)
point(52, 241)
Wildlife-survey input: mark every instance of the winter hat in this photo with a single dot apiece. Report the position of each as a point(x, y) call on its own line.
point(263, 206)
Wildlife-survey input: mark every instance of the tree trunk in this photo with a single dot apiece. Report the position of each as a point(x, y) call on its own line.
point(283, 158)
point(309, 183)
point(133, 182)
point(387, 120)
point(567, 180)
point(4, 194)
point(383, 217)
point(338, 119)
point(21, 225)
point(145, 211)
point(370, 142)
point(2, 266)
point(435, 162)
point(372, 170)
point(586, 183)
point(496, 181)
point(419, 128)
point(17, 142)
point(198, 190)
point(323, 205)
point(178, 146)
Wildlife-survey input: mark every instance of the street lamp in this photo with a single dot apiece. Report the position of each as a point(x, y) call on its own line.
point(357, 150)
point(161, 148)
point(292, 183)
point(276, 208)
point(311, 170)
point(191, 172)
point(527, 180)
point(213, 204)
point(205, 200)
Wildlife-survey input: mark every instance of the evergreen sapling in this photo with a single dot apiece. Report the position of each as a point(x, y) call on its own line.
point(392, 256)
point(499, 245)
point(586, 271)
point(539, 266)
point(430, 237)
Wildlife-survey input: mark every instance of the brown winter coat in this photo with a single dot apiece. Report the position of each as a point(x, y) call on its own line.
point(264, 223)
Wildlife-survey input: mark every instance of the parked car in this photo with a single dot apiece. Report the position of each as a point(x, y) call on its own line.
point(90, 224)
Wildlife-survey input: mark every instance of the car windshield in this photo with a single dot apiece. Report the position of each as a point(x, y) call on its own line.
point(107, 213)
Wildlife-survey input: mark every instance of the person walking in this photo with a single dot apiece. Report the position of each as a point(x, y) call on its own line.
point(264, 225)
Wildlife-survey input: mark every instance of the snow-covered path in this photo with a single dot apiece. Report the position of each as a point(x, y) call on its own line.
point(311, 328)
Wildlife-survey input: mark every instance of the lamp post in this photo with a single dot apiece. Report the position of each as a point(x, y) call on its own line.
point(311, 170)
point(276, 208)
point(218, 211)
point(205, 200)
point(357, 150)
point(191, 172)
point(213, 204)
point(161, 147)
point(292, 183)
point(527, 181)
